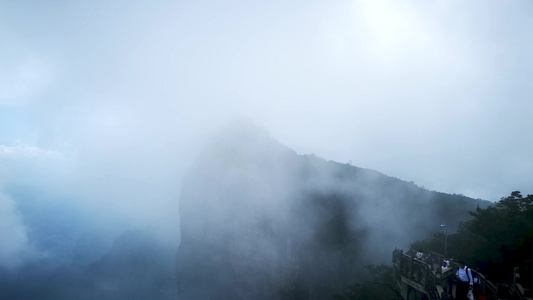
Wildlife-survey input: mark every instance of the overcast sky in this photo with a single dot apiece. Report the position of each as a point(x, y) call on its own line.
point(108, 101)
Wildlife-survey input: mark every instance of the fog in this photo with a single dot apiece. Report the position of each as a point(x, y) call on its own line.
point(259, 221)
point(104, 107)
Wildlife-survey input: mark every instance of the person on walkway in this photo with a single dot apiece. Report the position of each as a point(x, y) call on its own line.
point(444, 266)
point(447, 261)
point(465, 281)
point(419, 254)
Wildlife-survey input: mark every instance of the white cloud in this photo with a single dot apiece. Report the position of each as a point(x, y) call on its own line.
point(22, 82)
point(35, 166)
point(14, 152)
point(393, 86)
point(13, 237)
point(388, 24)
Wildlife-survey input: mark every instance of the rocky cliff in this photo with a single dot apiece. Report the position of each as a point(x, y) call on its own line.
point(259, 221)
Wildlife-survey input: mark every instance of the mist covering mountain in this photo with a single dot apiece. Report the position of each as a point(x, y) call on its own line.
point(259, 221)
point(137, 266)
point(80, 255)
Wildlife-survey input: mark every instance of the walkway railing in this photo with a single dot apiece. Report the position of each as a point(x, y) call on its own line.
point(517, 290)
point(425, 276)
point(419, 276)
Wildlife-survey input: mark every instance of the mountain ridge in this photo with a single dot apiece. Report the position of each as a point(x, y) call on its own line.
point(291, 223)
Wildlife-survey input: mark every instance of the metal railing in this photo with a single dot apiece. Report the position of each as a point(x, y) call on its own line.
point(427, 276)
point(516, 289)
point(422, 274)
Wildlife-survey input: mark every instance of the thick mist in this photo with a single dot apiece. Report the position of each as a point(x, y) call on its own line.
point(105, 106)
point(259, 221)
point(291, 225)
point(14, 238)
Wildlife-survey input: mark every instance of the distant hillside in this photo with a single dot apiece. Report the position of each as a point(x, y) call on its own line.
point(137, 266)
point(84, 256)
point(259, 221)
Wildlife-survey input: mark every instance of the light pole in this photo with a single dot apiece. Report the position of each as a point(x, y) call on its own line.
point(445, 229)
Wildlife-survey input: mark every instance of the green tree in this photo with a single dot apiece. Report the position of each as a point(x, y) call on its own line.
point(495, 240)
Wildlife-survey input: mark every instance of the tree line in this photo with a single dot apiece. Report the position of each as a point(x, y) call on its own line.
point(496, 239)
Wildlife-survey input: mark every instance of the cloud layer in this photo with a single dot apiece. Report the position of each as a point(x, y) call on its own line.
point(16, 246)
point(107, 104)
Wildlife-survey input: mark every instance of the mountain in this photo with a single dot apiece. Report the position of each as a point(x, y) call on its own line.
point(259, 221)
point(138, 266)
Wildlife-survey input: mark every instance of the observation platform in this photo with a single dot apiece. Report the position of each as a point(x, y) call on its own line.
point(423, 279)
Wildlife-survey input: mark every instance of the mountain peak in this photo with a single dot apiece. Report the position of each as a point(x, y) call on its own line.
point(243, 141)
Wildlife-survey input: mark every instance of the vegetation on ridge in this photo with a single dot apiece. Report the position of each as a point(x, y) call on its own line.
point(494, 241)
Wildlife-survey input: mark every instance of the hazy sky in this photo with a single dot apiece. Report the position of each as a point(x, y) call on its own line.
point(107, 102)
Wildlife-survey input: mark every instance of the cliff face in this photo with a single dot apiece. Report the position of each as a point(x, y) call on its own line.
point(233, 215)
point(259, 221)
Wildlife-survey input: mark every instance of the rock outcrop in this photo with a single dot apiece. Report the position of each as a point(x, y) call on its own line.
point(259, 221)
